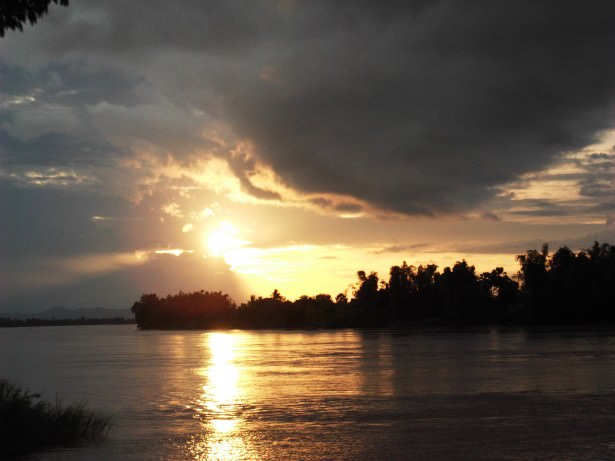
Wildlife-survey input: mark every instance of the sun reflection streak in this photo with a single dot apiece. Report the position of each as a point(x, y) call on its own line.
point(220, 404)
point(220, 392)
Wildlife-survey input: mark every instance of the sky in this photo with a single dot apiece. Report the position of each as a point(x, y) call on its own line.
point(244, 146)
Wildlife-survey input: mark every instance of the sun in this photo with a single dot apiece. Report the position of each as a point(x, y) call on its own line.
point(223, 240)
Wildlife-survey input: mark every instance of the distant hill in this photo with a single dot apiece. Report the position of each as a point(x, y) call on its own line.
point(63, 313)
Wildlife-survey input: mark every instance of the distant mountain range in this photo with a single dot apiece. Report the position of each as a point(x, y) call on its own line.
point(62, 313)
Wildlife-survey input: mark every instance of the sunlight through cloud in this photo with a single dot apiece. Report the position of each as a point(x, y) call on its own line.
point(223, 240)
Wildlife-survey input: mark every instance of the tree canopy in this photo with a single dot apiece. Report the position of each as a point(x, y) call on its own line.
point(562, 288)
point(15, 13)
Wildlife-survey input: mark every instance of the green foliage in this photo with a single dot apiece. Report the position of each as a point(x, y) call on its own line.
point(28, 423)
point(565, 287)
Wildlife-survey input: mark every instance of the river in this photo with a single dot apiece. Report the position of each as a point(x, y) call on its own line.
point(484, 394)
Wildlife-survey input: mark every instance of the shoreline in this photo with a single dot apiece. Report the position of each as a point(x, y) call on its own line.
point(398, 329)
point(36, 322)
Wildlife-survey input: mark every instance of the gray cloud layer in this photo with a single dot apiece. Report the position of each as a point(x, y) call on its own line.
point(420, 107)
point(425, 109)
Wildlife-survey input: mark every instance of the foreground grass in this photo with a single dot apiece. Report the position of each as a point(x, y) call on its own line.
point(28, 423)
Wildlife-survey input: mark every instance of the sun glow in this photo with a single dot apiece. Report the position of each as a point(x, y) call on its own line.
point(224, 240)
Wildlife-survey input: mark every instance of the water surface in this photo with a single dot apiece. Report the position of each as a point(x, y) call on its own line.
point(348, 395)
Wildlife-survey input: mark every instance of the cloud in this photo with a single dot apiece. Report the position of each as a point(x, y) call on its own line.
point(417, 107)
point(111, 280)
point(416, 247)
point(490, 216)
point(348, 207)
point(52, 221)
point(598, 180)
point(426, 111)
point(579, 187)
point(574, 242)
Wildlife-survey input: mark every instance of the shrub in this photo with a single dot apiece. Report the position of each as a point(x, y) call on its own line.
point(28, 423)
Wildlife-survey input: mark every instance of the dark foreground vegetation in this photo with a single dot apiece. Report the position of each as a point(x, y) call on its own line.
point(28, 424)
point(562, 288)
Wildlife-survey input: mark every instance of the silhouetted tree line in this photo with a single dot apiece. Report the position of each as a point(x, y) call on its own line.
point(201, 309)
point(562, 288)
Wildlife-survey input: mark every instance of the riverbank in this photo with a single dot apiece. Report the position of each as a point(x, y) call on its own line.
point(29, 424)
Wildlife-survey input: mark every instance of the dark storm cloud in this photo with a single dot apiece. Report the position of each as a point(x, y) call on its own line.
point(425, 111)
point(598, 180)
point(347, 207)
point(403, 248)
point(55, 149)
point(70, 82)
point(343, 206)
point(321, 202)
point(46, 221)
point(419, 107)
point(540, 208)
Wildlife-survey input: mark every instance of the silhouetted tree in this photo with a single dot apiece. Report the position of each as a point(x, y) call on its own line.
point(201, 309)
point(534, 283)
point(399, 291)
point(427, 297)
point(567, 290)
point(146, 310)
point(368, 301)
point(463, 298)
point(272, 312)
point(15, 13)
point(503, 293)
point(602, 274)
point(564, 287)
point(341, 298)
point(277, 296)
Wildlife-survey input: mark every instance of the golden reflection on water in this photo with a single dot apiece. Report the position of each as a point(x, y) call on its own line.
point(250, 384)
point(220, 403)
